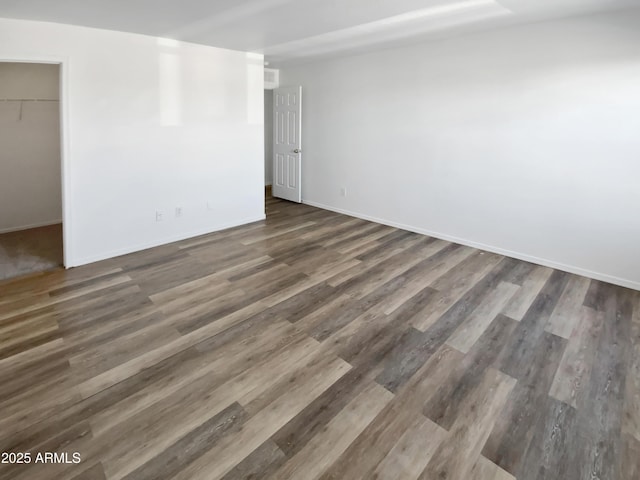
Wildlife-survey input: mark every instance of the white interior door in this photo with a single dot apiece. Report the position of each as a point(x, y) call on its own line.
point(287, 143)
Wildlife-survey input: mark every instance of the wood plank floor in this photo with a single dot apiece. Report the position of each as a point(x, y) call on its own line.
point(318, 346)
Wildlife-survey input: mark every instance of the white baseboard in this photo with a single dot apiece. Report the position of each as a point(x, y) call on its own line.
point(174, 238)
point(489, 248)
point(33, 225)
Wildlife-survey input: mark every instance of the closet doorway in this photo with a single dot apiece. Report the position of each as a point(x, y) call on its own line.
point(31, 238)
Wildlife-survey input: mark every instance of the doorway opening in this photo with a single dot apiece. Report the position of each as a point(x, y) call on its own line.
point(268, 142)
point(31, 205)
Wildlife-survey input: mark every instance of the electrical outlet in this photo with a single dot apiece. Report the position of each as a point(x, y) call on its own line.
point(343, 191)
point(178, 211)
point(159, 216)
point(210, 205)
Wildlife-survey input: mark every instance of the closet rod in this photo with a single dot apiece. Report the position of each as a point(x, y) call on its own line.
point(28, 100)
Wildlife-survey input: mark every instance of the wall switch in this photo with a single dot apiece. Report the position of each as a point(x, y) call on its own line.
point(178, 211)
point(210, 205)
point(158, 216)
point(343, 191)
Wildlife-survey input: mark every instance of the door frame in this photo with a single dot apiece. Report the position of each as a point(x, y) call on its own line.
point(65, 167)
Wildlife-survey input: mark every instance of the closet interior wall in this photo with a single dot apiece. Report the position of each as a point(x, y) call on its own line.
point(30, 180)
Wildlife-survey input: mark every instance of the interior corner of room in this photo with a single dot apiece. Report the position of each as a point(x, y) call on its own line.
point(519, 139)
point(171, 152)
point(310, 239)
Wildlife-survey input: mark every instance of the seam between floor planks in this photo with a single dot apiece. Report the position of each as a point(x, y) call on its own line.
point(315, 345)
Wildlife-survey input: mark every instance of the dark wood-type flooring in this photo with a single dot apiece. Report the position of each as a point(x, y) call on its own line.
point(315, 345)
point(30, 251)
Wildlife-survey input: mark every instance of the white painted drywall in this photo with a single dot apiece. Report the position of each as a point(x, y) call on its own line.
point(151, 125)
point(268, 137)
point(524, 141)
point(30, 183)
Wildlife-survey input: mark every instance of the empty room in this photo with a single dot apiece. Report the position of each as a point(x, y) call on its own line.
point(311, 239)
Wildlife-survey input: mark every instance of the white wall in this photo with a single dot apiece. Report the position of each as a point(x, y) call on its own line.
point(150, 125)
point(268, 137)
point(524, 141)
point(30, 190)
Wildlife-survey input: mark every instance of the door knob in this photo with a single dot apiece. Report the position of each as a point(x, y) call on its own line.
point(297, 150)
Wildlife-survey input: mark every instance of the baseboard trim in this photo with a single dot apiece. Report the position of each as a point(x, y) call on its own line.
point(28, 227)
point(164, 241)
point(489, 248)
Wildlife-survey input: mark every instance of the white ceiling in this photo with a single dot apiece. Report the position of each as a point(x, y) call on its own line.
point(288, 30)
